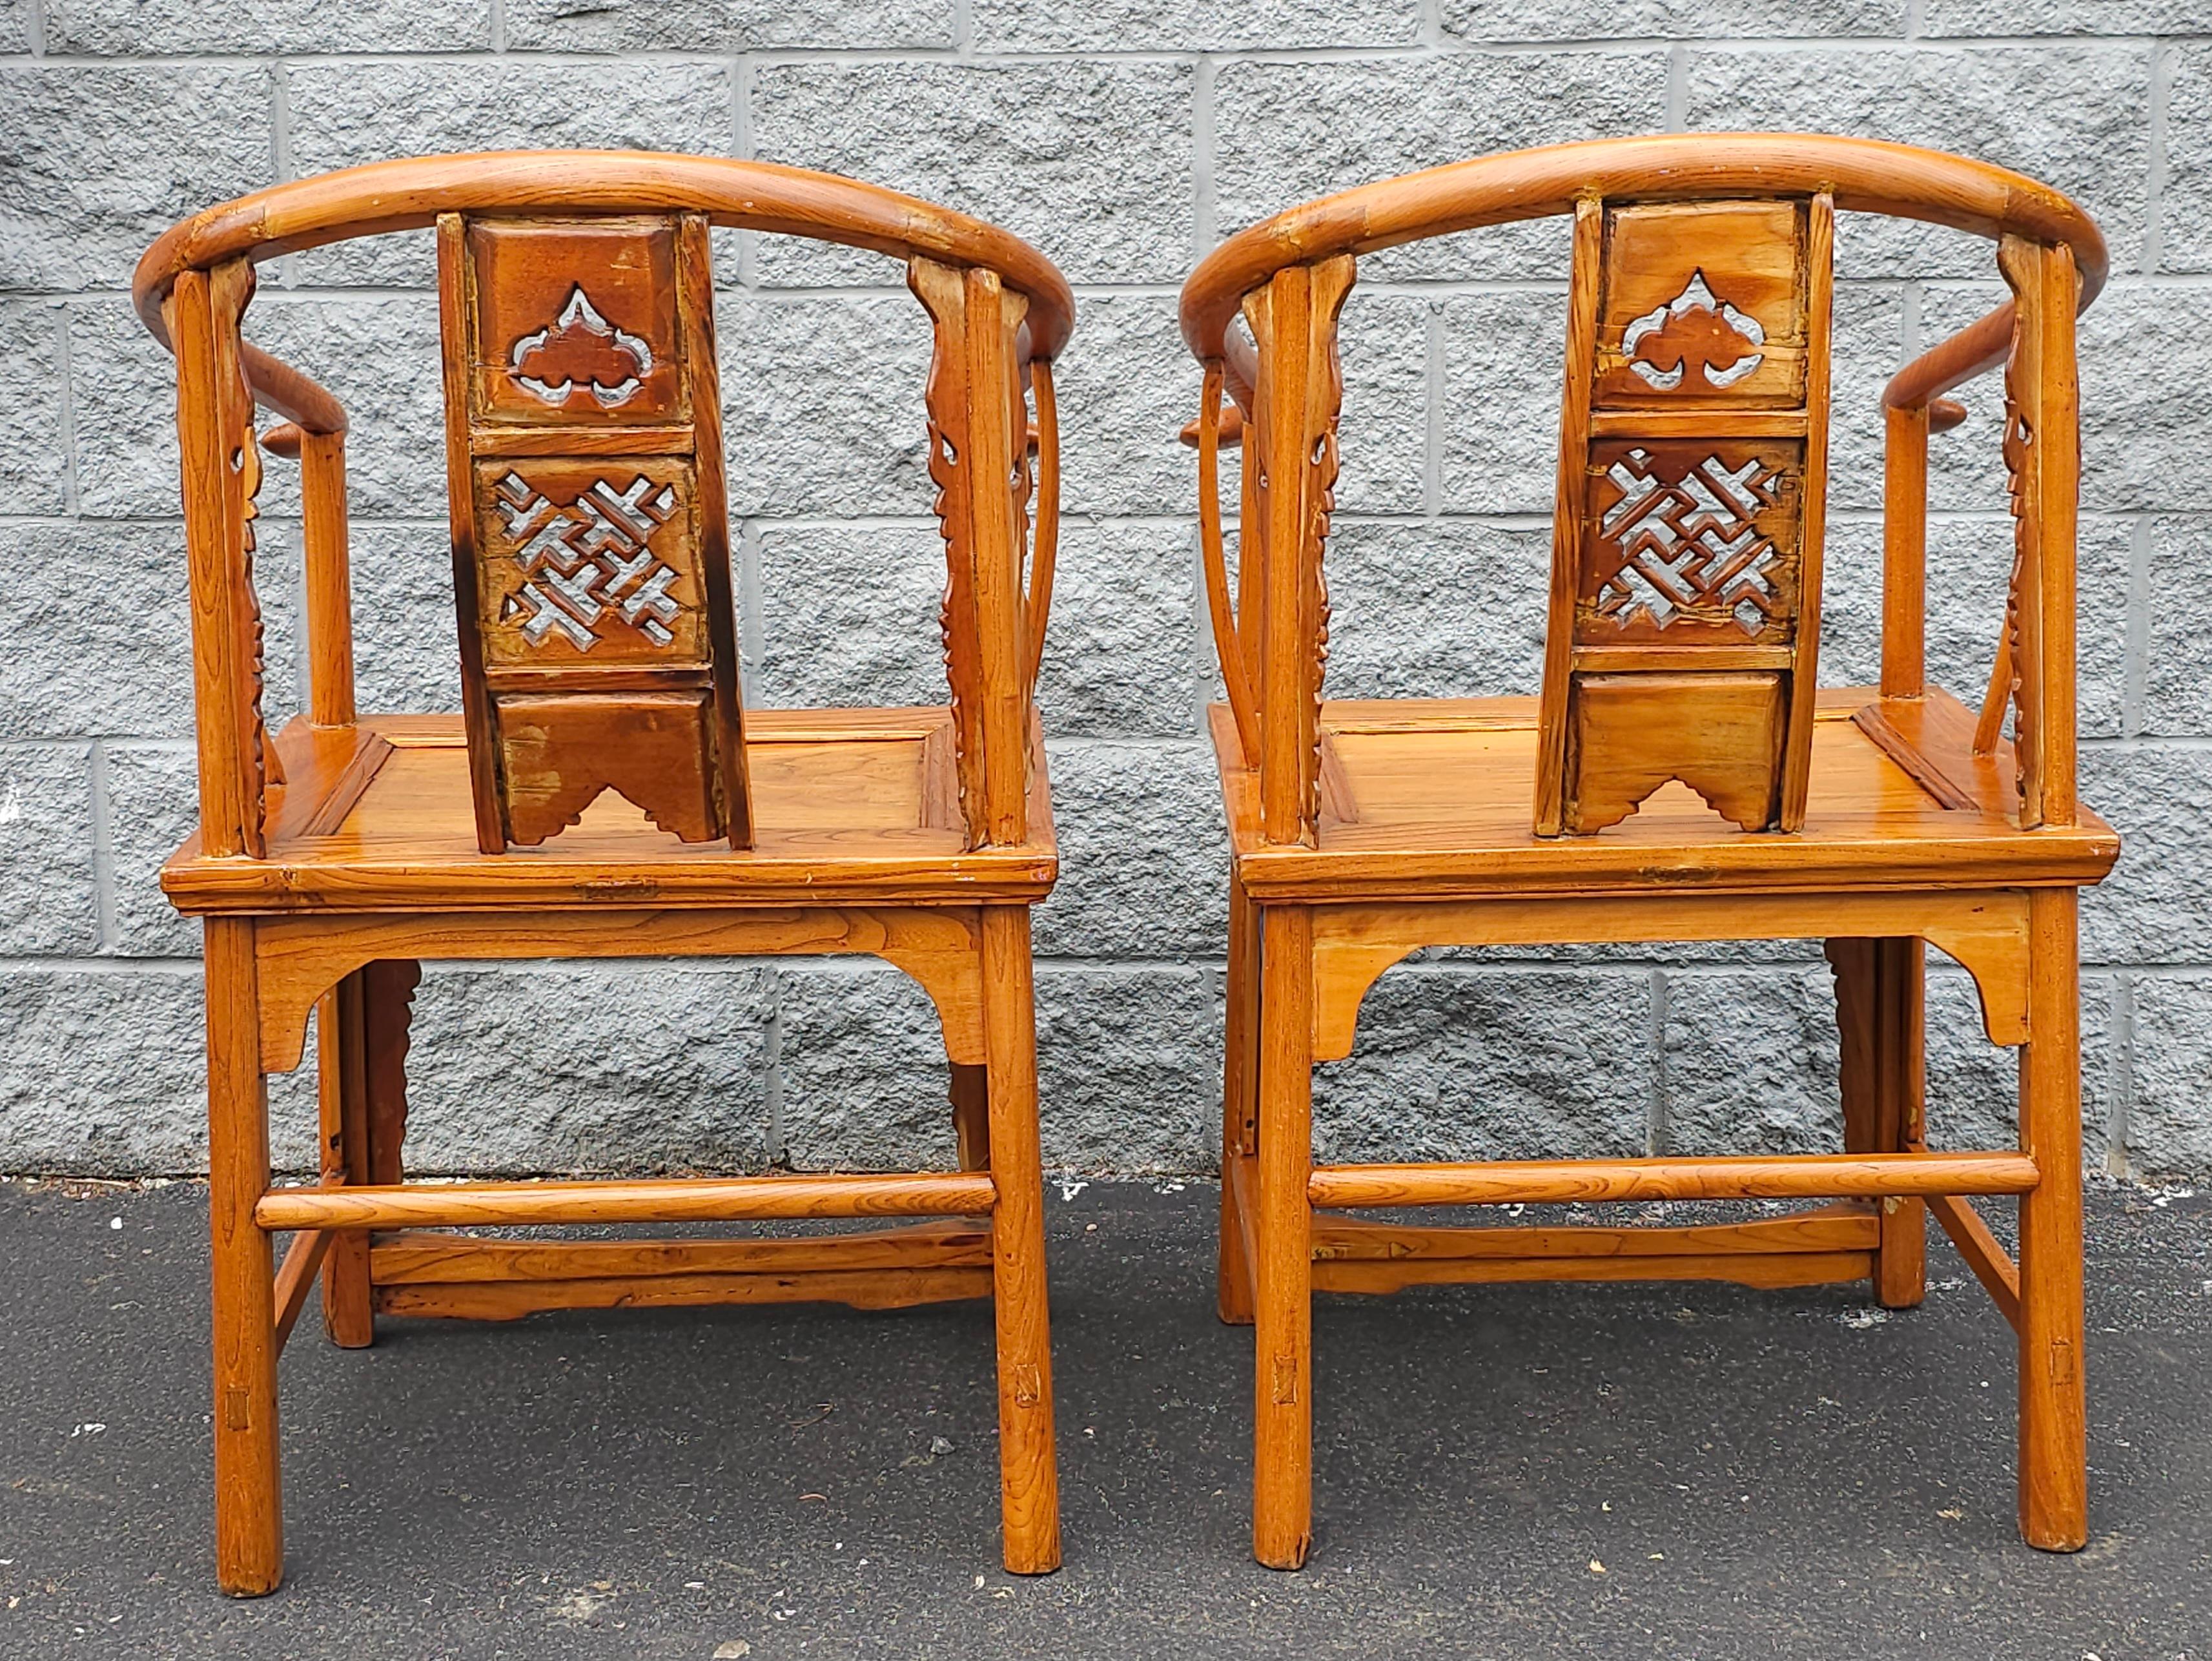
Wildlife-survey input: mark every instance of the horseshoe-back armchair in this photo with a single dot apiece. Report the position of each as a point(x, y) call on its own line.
point(1681, 649)
point(598, 646)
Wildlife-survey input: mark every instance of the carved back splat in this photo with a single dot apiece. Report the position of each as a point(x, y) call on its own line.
point(1684, 601)
point(590, 544)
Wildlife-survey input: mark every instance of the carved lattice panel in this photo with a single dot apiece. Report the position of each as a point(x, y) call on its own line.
point(584, 437)
point(1687, 543)
point(588, 562)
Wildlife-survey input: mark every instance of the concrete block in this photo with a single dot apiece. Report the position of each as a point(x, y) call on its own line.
point(169, 27)
point(1505, 356)
point(1121, 654)
point(1453, 1064)
point(123, 386)
point(588, 1067)
point(1454, 608)
point(2159, 799)
point(2177, 694)
point(2140, 355)
point(1144, 854)
point(861, 1058)
point(344, 114)
point(2168, 1133)
point(48, 882)
point(1973, 1086)
point(1477, 22)
point(2071, 116)
point(1129, 1068)
point(1125, 385)
point(823, 410)
point(2185, 204)
point(103, 159)
point(407, 658)
point(1023, 25)
point(1382, 445)
point(99, 620)
point(1969, 569)
point(850, 616)
point(153, 804)
point(34, 461)
point(380, 358)
point(1751, 1062)
point(1089, 160)
point(629, 26)
point(2108, 17)
point(1286, 132)
point(102, 1071)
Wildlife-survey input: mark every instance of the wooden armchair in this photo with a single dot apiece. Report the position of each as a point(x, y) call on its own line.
point(1682, 637)
point(597, 632)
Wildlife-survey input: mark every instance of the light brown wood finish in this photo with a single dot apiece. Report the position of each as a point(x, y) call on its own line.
point(1282, 1260)
point(342, 1079)
point(596, 618)
point(249, 1540)
point(1579, 1181)
point(1876, 819)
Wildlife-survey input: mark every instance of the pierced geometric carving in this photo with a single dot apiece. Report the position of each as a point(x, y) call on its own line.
point(580, 346)
point(1686, 537)
point(596, 574)
point(1693, 327)
point(591, 558)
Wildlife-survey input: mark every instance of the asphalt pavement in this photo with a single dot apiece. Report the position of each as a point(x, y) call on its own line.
point(1519, 1472)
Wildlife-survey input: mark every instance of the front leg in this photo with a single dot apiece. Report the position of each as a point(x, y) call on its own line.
point(1282, 1450)
point(249, 1511)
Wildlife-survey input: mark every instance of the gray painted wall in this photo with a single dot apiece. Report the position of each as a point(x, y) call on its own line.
point(1124, 137)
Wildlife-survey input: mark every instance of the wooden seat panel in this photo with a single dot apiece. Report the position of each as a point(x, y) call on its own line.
point(1419, 793)
point(848, 804)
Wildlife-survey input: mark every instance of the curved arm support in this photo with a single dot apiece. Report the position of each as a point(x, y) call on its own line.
point(411, 193)
point(1863, 174)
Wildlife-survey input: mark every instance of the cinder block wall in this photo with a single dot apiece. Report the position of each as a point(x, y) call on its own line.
point(1124, 137)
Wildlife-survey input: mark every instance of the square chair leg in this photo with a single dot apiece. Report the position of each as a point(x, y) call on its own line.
point(2054, 1454)
point(1028, 1475)
point(249, 1519)
point(1282, 1450)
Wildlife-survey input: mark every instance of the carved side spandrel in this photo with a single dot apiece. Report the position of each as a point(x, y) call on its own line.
point(2022, 448)
point(942, 291)
point(1332, 285)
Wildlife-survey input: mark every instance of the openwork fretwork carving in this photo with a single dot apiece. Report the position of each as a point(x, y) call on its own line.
point(2018, 442)
point(1693, 328)
point(589, 563)
point(579, 347)
point(242, 460)
point(1322, 469)
point(1685, 543)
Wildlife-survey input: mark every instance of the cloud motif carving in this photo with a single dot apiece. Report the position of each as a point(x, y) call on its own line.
point(580, 348)
point(1693, 327)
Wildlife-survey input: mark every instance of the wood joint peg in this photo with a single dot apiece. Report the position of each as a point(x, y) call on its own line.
point(237, 1409)
point(1891, 1204)
point(2063, 1365)
point(1029, 1387)
point(1285, 1391)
